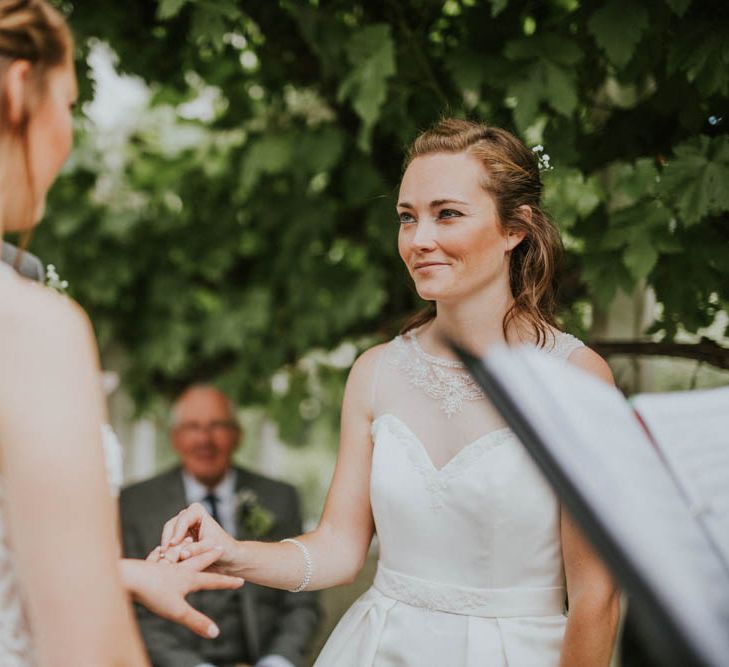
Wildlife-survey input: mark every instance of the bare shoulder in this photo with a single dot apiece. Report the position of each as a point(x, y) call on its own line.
point(360, 383)
point(29, 303)
point(39, 323)
point(590, 361)
point(366, 364)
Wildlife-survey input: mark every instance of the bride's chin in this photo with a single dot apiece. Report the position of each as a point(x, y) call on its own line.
point(428, 293)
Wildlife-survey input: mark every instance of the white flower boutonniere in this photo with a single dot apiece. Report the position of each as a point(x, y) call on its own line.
point(257, 520)
point(53, 280)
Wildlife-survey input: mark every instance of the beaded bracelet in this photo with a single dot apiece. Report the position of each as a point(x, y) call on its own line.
point(308, 565)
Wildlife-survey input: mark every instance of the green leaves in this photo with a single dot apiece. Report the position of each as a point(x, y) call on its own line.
point(167, 9)
point(550, 66)
point(568, 195)
point(618, 28)
point(231, 247)
point(371, 54)
point(679, 6)
point(498, 6)
point(701, 52)
point(696, 178)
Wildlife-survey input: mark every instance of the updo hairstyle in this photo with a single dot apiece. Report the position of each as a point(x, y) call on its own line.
point(33, 31)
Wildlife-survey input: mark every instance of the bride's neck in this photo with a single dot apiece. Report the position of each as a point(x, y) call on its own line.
point(475, 324)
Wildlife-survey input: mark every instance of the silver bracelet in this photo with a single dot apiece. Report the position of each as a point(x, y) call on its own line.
point(308, 565)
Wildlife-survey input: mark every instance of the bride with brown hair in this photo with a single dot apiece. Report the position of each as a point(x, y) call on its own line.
point(477, 558)
point(64, 593)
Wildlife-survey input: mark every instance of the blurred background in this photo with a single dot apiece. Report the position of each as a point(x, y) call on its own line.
point(228, 212)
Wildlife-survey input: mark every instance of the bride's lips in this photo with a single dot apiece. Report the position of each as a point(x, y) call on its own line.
point(428, 265)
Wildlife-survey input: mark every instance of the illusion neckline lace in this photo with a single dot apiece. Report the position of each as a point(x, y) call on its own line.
point(446, 380)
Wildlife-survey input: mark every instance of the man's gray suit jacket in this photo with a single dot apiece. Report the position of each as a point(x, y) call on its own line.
point(30, 266)
point(273, 621)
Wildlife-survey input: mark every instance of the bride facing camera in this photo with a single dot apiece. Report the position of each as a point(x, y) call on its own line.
point(65, 596)
point(477, 558)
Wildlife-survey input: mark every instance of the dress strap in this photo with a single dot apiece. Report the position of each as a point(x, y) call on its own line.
point(564, 345)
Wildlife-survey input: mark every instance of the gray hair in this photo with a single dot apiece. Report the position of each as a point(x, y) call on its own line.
point(175, 410)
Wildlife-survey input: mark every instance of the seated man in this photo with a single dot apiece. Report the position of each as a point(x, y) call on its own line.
point(258, 626)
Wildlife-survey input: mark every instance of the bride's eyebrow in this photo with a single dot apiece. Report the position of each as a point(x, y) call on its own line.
point(434, 204)
point(439, 202)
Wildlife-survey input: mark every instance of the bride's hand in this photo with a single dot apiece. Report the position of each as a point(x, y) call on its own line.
point(194, 522)
point(162, 586)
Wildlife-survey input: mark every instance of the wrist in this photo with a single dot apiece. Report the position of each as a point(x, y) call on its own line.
point(237, 559)
point(131, 575)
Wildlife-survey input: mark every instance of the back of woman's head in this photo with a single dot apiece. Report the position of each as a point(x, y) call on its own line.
point(511, 177)
point(32, 32)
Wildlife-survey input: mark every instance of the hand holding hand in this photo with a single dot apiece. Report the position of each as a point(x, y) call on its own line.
point(194, 522)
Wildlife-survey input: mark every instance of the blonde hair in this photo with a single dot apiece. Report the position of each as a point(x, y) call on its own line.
point(511, 177)
point(33, 31)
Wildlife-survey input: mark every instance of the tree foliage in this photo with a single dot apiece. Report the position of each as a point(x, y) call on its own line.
point(233, 246)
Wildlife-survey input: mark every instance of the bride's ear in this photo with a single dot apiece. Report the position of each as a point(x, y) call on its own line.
point(517, 230)
point(14, 95)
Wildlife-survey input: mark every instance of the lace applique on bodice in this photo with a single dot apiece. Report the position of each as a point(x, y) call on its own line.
point(442, 379)
point(16, 648)
point(434, 411)
point(16, 645)
point(448, 381)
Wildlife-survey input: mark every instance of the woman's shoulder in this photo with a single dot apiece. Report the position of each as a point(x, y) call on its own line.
point(588, 360)
point(34, 316)
point(570, 348)
point(366, 364)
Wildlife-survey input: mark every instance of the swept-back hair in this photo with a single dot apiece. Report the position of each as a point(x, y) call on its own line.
point(511, 177)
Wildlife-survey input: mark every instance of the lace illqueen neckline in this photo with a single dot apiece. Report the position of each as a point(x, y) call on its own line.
point(448, 381)
point(431, 358)
point(444, 380)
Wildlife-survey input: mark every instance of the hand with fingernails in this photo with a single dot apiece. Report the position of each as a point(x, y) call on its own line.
point(163, 580)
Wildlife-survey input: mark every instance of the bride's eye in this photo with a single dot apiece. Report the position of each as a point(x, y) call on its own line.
point(405, 217)
point(449, 213)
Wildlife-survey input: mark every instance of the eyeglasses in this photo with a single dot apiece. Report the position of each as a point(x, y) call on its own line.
point(215, 427)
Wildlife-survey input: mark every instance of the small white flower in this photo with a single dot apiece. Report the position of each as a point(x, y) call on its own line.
point(53, 280)
point(543, 158)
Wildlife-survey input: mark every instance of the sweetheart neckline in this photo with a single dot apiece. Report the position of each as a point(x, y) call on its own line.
point(499, 434)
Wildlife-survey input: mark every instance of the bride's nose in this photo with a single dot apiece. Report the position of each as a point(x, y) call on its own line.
point(425, 237)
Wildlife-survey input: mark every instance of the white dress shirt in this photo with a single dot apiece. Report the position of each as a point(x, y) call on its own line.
point(195, 492)
point(224, 491)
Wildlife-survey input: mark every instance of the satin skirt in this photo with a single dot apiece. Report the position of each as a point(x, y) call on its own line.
point(402, 621)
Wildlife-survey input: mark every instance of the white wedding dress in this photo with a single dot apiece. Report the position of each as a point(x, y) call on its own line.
point(470, 571)
point(16, 643)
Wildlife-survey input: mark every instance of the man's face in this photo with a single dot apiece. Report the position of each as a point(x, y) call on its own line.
point(205, 434)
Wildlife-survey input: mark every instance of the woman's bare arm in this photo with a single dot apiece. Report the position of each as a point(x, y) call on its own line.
point(594, 607)
point(340, 543)
point(57, 501)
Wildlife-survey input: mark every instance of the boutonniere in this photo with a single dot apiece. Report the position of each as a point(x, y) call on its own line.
point(257, 520)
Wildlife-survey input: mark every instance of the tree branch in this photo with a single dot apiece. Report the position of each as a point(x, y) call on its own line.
point(706, 350)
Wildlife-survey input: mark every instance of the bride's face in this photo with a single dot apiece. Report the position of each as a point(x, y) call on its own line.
point(49, 139)
point(50, 131)
point(450, 236)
